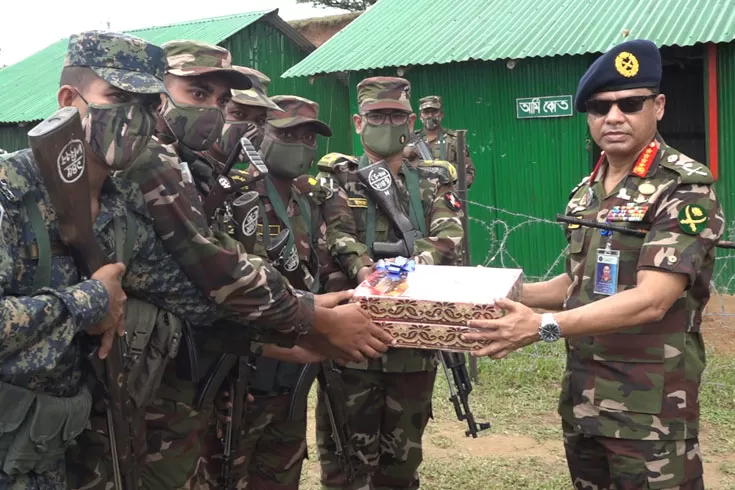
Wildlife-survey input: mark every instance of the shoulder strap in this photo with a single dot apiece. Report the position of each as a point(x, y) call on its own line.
point(442, 149)
point(280, 209)
point(414, 194)
point(125, 242)
point(42, 277)
point(310, 216)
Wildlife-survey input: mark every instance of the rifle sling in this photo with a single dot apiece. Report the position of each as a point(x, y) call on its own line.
point(42, 277)
point(124, 242)
point(416, 209)
point(280, 209)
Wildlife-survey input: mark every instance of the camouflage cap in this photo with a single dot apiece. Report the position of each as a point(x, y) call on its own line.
point(124, 61)
point(430, 102)
point(193, 58)
point(257, 95)
point(294, 111)
point(384, 93)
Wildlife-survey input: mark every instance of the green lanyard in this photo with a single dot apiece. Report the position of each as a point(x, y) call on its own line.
point(416, 209)
point(280, 209)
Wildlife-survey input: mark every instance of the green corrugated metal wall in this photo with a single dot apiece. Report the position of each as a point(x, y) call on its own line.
point(725, 187)
point(14, 137)
point(265, 48)
point(524, 167)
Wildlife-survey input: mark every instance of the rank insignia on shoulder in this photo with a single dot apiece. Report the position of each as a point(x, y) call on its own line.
point(357, 202)
point(628, 212)
point(452, 200)
point(693, 219)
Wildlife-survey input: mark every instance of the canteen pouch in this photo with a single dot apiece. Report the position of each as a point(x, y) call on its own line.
point(37, 429)
point(154, 339)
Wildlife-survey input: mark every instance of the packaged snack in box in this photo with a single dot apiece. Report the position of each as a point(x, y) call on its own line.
point(428, 306)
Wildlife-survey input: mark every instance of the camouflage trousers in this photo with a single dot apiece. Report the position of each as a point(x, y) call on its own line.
point(387, 414)
point(270, 450)
point(89, 461)
point(603, 463)
point(175, 436)
point(54, 478)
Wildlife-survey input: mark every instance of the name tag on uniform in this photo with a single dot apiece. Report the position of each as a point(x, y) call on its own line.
point(629, 212)
point(606, 271)
point(357, 202)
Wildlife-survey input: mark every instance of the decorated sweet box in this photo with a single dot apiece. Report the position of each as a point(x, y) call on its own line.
point(428, 306)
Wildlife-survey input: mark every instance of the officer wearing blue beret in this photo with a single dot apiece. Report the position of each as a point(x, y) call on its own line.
point(629, 307)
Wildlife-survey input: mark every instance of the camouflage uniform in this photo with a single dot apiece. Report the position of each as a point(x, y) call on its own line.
point(444, 147)
point(218, 265)
point(630, 400)
point(389, 397)
point(272, 447)
point(43, 391)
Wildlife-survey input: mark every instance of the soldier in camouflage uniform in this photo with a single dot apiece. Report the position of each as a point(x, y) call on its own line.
point(635, 355)
point(272, 448)
point(114, 80)
point(441, 142)
point(174, 178)
point(245, 115)
point(390, 397)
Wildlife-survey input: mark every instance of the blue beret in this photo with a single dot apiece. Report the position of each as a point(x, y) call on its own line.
point(632, 64)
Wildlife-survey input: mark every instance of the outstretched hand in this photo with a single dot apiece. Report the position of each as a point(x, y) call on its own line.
point(518, 328)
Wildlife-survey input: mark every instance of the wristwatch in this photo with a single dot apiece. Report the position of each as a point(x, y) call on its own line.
point(549, 330)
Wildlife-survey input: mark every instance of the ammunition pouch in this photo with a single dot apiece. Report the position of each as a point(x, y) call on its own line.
point(36, 429)
point(154, 336)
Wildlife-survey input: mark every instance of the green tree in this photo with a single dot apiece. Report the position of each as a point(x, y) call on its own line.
point(351, 5)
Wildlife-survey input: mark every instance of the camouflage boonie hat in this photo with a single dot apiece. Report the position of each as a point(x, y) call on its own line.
point(384, 93)
point(257, 95)
point(295, 111)
point(430, 102)
point(192, 58)
point(126, 62)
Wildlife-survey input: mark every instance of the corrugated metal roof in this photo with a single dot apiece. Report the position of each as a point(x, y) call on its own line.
point(422, 32)
point(29, 87)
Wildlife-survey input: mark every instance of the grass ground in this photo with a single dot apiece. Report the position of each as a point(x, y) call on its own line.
point(523, 448)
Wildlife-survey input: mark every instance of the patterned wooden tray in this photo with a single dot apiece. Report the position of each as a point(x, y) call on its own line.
point(427, 336)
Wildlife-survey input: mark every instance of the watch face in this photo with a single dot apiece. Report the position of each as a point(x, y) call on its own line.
point(550, 332)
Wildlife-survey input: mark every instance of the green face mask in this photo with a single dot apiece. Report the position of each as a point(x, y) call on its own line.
point(386, 139)
point(194, 126)
point(287, 160)
point(117, 133)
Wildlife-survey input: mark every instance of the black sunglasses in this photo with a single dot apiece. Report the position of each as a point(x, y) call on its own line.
point(627, 105)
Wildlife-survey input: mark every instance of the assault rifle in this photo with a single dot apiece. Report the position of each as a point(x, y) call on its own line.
point(58, 148)
point(223, 186)
point(245, 208)
point(462, 194)
point(383, 190)
point(327, 372)
point(378, 180)
point(418, 143)
point(460, 390)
